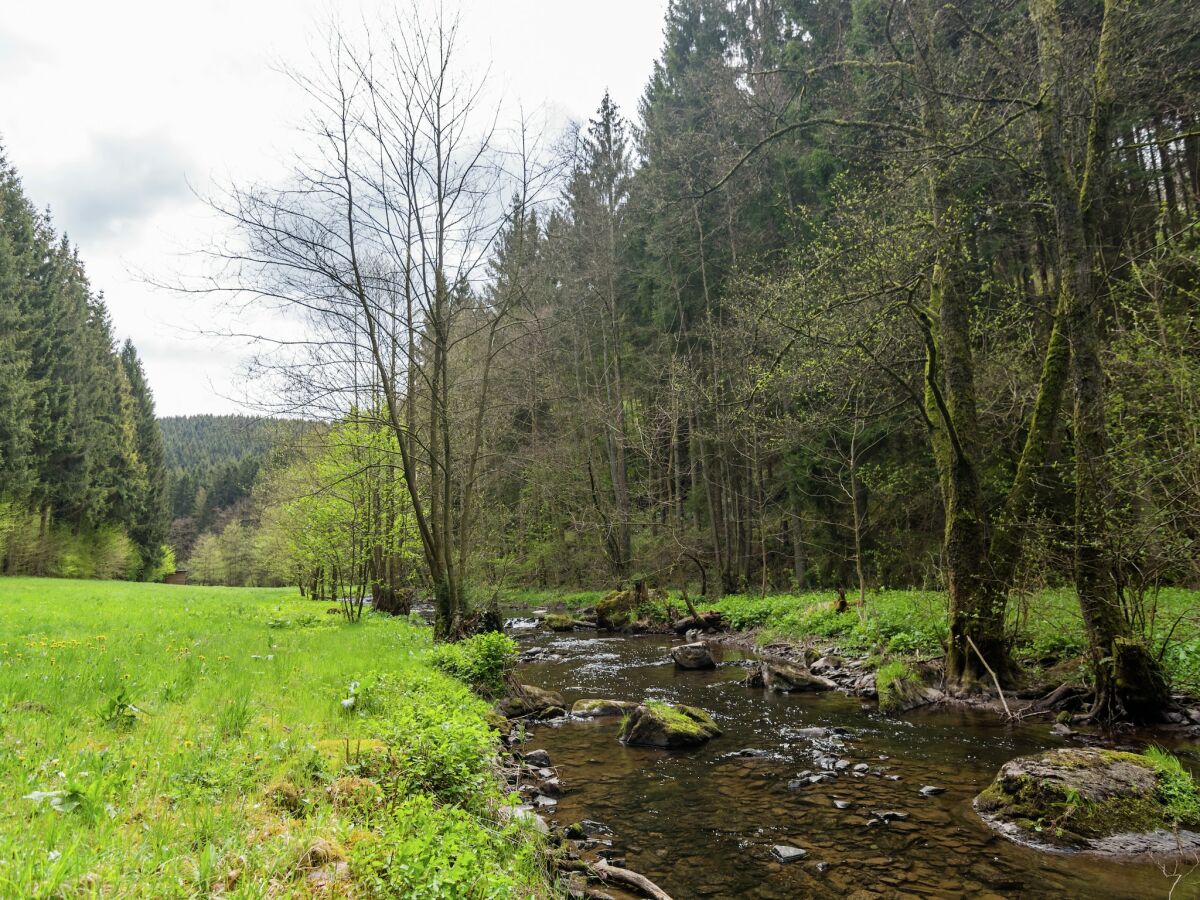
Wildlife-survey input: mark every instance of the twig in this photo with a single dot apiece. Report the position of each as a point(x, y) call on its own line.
point(995, 680)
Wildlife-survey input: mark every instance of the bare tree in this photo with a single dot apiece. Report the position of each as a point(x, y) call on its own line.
point(378, 246)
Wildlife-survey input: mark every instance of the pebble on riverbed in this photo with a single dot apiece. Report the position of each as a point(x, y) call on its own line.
point(786, 854)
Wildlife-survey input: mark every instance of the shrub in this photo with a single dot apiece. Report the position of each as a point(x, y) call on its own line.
point(439, 741)
point(481, 661)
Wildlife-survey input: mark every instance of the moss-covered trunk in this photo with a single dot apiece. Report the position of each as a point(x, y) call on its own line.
point(1129, 682)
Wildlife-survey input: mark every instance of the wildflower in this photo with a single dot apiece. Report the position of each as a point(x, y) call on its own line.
point(189, 744)
point(133, 764)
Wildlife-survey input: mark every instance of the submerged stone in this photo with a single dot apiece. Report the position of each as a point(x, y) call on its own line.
point(786, 854)
point(1098, 800)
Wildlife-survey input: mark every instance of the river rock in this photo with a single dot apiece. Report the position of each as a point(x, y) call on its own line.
point(1104, 801)
point(827, 664)
point(931, 790)
point(539, 758)
point(656, 724)
point(618, 609)
point(529, 700)
point(754, 678)
point(693, 656)
point(783, 678)
point(786, 854)
point(595, 709)
point(559, 622)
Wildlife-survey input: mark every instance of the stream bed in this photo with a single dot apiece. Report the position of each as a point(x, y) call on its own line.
point(702, 823)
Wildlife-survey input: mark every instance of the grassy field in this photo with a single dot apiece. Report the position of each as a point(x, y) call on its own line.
point(162, 741)
point(1046, 627)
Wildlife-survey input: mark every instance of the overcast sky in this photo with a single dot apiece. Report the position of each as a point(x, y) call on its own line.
point(115, 112)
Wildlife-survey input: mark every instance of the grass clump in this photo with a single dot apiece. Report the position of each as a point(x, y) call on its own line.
point(894, 682)
point(162, 737)
point(1176, 787)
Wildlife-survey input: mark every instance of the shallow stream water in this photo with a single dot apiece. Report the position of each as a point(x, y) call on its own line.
point(702, 823)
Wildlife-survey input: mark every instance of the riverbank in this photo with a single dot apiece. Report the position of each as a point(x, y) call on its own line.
point(903, 632)
point(171, 740)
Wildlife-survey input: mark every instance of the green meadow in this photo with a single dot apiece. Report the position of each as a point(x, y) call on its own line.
point(167, 741)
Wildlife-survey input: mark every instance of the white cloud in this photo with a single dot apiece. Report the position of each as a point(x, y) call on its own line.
point(112, 110)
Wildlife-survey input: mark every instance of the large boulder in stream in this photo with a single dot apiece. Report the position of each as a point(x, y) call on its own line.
point(1102, 801)
point(693, 656)
point(783, 678)
point(618, 610)
point(595, 709)
point(657, 724)
point(528, 700)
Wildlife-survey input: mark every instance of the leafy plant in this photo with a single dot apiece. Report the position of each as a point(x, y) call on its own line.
point(482, 661)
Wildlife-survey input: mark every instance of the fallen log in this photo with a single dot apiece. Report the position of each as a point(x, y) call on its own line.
point(630, 879)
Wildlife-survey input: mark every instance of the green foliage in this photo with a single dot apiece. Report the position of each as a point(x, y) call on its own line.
point(909, 622)
point(481, 661)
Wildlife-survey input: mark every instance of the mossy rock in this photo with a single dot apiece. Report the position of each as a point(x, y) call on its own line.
point(1105, 801)
point(559, 622)
point(528, 700)
point(657, 724)
point(901, 686)
point(616, 609)
point(595, 709)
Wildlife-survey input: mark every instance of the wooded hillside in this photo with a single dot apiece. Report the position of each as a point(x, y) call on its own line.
point(82, 474)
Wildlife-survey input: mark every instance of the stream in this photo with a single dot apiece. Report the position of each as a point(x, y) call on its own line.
point(702, 823)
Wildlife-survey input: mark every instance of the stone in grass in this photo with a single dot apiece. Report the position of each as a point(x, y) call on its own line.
point(786, 854)
point(658, 724)
point(595, 709)
point(1102, 801)
point(693, 656)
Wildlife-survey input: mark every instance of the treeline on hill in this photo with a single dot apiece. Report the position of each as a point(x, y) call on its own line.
point(82, 474)
point(329, 513)
point(874, 294)
point(212, 462)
